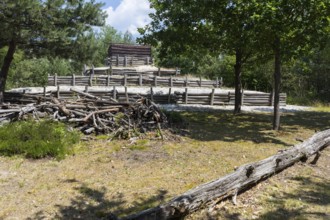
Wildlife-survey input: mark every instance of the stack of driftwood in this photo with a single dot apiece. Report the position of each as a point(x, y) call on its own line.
point(91, 114)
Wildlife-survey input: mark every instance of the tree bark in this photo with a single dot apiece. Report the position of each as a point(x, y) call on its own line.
point(5, 68)
point(238, 82)
point(277, 83)
point(233, 183)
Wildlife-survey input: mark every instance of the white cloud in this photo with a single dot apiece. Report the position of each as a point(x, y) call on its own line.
point(129, 15)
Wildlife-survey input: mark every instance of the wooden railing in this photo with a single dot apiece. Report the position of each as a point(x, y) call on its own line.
point(212, 97)
point(127, 80)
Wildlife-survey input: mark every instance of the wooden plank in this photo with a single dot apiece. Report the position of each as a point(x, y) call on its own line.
point(169, 95)
point(151, 94)
point(126, 94)
point(58, 92)
point(73, 82)
point(114, 93)
point(140, 79)
point(125, 80)
point(186, 96)
point(212, 97)
point(155, 81)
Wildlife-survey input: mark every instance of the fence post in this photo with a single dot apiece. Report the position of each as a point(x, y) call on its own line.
point(58, 92)
point(155, 81)
point(151, 94)
point(114, 93)
point(217, 83)
point(91, 80)
point(171, 81)
point(221, 82)
point(126, 94)
point(158, 71)
point(125, 79)
point(212, 97)
point(186, 96)
point(200, 81)
point(228, 98)
point(108, 80)
point(117, 60)
point(73, 83)
point(186, 81)
point(45, 91)
point(242, 98)
point(169, 95)
point(125, 61)
point(271, 98)
point(55, 79)
point(140, 79)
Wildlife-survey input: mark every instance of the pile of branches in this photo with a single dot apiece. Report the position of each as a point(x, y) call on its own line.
point(92, 114)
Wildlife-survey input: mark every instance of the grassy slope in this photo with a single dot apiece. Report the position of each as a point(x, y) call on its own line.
point(123, 177)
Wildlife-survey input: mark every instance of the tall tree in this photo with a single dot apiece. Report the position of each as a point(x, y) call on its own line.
point(289, 28)
point(190, 26)
point(44, 27)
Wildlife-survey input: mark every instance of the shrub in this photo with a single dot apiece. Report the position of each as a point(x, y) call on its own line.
point(37, 139)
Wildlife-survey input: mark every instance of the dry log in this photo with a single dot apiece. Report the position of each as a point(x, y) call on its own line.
point(92, 114)
point(62, 108)
point(244, 177)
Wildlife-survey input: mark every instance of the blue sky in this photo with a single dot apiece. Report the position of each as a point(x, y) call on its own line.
point(126, 15)
point(110, 3)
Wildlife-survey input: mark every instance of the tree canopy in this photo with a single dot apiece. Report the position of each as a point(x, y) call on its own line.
point(44, 27)
point(247, 29)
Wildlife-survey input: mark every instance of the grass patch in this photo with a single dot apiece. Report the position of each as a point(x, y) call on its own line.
point(36, 140)
point(140, 145)
point(122, 177)
point(321, 107)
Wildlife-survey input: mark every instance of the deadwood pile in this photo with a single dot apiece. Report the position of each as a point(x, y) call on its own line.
point(91, 114)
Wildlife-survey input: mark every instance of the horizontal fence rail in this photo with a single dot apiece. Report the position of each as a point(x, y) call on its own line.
point(125, 95)
point(125, 61)
point(132, 72)
point(128, 80)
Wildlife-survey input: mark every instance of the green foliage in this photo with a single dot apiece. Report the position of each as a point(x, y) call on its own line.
point(34, 72)
point(37, 139)
point(45, 28)
point(220, 66)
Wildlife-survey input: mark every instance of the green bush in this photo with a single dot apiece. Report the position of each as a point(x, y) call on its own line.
point(37, 139)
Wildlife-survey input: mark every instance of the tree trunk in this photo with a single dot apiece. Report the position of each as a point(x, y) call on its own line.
point(235, 182)
point(5, 68)
point(238, 82)
point(277, 83)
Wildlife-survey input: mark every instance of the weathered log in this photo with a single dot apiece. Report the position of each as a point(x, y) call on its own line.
point(229, 185)
point(62, 107)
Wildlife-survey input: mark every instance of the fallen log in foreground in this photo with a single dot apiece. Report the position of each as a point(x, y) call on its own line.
point(229, 185)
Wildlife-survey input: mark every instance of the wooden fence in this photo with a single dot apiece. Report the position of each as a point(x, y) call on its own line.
point(132, 72)
point(127, 80)
point(227, 98)
point(126, 61)
point(170, 97)
point(129, 55)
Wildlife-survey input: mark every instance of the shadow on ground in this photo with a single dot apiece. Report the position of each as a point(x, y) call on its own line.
point(293, 205)
point(256, 127)
point(93, 204)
